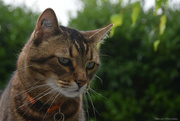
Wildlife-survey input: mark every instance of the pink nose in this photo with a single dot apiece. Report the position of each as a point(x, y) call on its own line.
point(80, 83)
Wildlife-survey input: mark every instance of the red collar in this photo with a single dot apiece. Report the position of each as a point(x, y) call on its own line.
point(49, 109)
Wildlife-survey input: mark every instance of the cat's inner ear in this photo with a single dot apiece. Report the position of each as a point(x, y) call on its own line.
point(95, 36)
point(47, 21)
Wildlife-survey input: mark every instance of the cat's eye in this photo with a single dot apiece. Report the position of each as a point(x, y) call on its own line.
point(90, 65)
point(64, 61)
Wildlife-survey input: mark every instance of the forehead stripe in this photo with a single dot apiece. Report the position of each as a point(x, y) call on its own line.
point(77, 39)
point(76, 47)
point(87, 49)
point(91, 55)
point(70, 51)
point(77, 44)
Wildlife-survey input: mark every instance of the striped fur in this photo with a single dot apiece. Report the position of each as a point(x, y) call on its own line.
point(55, 66)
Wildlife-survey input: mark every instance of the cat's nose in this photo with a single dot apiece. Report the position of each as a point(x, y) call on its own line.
point(80, 83)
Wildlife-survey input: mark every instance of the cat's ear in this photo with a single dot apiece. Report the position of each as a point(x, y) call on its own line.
point(95, 36)
point(47, 21)
point(47, 26)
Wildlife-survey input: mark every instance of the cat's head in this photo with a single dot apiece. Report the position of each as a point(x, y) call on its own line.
point(62, 59)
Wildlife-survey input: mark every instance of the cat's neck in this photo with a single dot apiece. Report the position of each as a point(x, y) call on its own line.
point(70, 107)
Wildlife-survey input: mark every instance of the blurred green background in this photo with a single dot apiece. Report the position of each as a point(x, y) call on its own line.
point(140, 60)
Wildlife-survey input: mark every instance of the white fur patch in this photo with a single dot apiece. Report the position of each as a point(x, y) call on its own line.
point(71, 91)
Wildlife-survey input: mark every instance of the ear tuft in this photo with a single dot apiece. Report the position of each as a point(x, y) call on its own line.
point(97, 35)
point(46, 23)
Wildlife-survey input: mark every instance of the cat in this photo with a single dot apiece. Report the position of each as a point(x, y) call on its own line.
point(54, 70)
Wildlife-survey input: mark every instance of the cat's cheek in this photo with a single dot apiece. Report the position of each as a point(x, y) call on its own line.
point(52, 84)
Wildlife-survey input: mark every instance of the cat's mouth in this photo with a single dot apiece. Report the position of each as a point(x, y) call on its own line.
point(70, 89)
point(73, 90)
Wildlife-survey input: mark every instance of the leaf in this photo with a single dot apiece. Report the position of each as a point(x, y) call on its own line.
point(135, 12)
point(117, 20)
point(156, 44)
point(159, 4)
point(156, 10)
point(162, 24)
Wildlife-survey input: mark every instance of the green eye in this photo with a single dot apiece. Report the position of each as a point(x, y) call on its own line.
point(64, 61)
point(90, 65)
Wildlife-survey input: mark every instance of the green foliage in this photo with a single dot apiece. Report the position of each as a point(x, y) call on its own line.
point(117, 20)
point(160, 4)
point(162, 24)
point(16, 25)
point(135, 12)
point(140, 67)
point(156, 44)
point(93, 9)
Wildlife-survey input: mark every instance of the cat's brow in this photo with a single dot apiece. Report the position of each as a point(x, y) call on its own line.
point(42, 60)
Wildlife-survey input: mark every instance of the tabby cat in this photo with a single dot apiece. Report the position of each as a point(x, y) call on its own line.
point(54, 69)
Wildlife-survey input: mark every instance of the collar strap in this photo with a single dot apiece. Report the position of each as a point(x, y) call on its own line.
point(41, 106)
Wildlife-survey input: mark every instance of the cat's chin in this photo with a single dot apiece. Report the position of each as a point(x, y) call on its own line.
point(71, 94)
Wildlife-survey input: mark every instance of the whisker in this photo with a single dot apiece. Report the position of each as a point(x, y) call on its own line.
point(37, 87)
point(99, 78)
point(86, 102)
point(33, 104)
point(44, 94)
point(41, 97)
point(94, 109)
point(32, 88)
point(28, 102)
point(50, 106)
point(48, 100)
point(103, 55)
point(96, 93)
